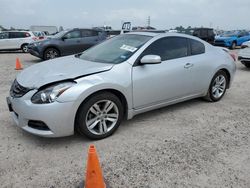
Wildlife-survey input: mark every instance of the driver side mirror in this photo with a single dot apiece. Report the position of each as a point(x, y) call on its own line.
point(151, 59)
point(63, 38)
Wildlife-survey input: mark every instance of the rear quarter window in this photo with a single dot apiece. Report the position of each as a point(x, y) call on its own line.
point(196, 47)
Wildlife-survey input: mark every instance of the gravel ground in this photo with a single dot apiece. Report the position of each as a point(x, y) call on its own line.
point(192, 144)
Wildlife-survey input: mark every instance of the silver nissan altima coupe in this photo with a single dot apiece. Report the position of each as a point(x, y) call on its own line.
point(92, 92)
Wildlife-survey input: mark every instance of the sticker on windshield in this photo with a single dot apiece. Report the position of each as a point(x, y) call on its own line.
point(128, 48)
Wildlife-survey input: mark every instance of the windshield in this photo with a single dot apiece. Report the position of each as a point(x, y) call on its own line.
point(115, 50)
point(60, 34)
point(229, 34)
point(38, 33)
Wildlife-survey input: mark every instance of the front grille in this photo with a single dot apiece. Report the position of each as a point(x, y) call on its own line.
point(17, 90)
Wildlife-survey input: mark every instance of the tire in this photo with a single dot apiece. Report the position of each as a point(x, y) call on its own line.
point(51, 53)
point(233, 46)
point(24, 48)
point(217, 89)
point(247, 65)
point(93, 121)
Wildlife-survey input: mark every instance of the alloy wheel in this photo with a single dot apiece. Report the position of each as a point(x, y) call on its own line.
point(102, 117)
point(51, 54)
point(219, 86)
point(25, 48)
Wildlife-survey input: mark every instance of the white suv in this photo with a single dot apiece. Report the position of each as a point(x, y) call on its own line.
point(16, 40)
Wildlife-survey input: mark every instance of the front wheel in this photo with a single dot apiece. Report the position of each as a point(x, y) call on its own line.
point(218, 87)
point(51, 53)
point(99, 116)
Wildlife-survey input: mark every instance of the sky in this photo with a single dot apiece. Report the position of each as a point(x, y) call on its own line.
point(164, 14)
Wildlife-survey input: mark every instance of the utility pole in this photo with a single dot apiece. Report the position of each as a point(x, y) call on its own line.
point(148, 21)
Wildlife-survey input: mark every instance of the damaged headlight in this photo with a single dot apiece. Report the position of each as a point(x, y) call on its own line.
point(51, 93)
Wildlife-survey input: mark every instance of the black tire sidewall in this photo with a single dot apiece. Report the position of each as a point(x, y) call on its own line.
point(22, 47)
point(83, 110)
point(47, 50)
point(247, 65)
point(211, 86)
point(233, 45)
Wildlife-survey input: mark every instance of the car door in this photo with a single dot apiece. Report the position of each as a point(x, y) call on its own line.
point(169, 80)
point(202, 68)
point(16, 40)
point(71, 43)
point(4, 40)
point(89, 38)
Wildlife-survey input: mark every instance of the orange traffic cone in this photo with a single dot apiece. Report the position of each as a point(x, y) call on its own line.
point(19, 66)
point(94, 178)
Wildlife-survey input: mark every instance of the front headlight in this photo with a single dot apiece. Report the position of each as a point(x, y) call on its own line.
point(37, 43)
point(51, 93)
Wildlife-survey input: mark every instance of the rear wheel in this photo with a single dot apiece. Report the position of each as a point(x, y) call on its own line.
point(51, 53)
point(24, 48)
point(233, 46)
point(218, 87)
point(99, 116)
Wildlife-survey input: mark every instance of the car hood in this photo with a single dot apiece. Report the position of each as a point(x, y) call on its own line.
point(225, 38)
point(58, 69)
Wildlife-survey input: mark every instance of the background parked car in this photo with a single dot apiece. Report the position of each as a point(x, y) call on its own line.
point(232, 39)
point(206, 34)
point(244, 56)
point(40, 35)
point(67, 42)
point(245, 44)
point(16, 40)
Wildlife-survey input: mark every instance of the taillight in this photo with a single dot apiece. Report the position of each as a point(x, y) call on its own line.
point(233, 55)
point(34, 38)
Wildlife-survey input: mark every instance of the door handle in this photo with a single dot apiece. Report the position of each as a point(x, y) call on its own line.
point(78, 41)
point(188, 65)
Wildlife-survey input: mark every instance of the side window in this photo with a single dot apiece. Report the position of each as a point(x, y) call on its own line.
point(4, 35)
point(168, 48)
point(204, 33)
point(196, 33)
point(89, 33)
point(240, 34)
point(15, 35)
point(24, 35)
point(210, 33)
point(246, 33)
point(73, 35)
point(196, 47)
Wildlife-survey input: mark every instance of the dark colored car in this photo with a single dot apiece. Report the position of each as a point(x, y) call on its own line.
point(206, 34)
point(67, 42)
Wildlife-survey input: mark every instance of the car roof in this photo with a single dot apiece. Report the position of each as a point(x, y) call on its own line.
point(161, 34)
point(167, 34)
point(18, 31)
point(203, 28)
point(151, 34)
